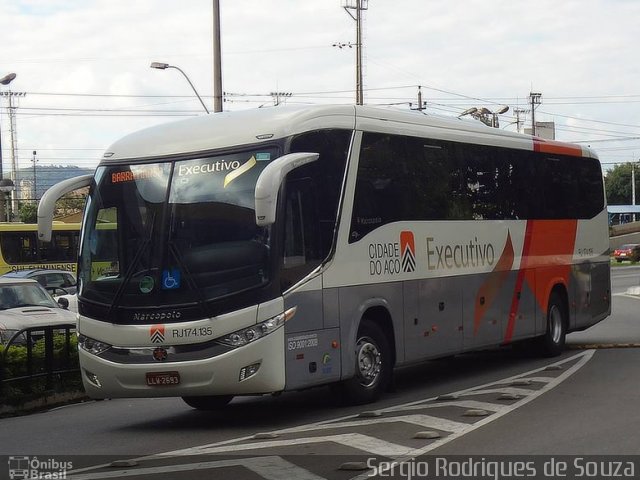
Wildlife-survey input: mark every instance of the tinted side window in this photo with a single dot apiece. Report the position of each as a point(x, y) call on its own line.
point(410, 179)
point(571, 187)
point(311, 199)
point(500, 183)
point(591, 194)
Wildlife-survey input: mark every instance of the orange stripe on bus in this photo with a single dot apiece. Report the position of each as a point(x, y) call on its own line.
point(489, 290)
point(560, 148)
point(547, 256)
point(517, 293)
point(553, 242)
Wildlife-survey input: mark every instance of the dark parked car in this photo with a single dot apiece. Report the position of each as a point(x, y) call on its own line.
point(57, 282)
point(630, 251)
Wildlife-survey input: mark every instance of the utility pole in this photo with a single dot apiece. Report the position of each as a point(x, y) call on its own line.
point(217, 59)
point(359, 6)
point(535, 99)
point(35, 178)
point(276, 97)
point(519, 122)
point(6, 80)
point(633, 187)
point(12, 138)
point(421, 104)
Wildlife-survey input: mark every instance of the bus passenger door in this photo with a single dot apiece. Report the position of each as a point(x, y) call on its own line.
point(433, 317)
point(309, 355)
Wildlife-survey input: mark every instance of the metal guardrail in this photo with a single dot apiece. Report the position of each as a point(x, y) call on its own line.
point(48, 366)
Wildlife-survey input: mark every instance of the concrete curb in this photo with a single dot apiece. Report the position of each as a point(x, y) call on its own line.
point(633, 291)
point(49, 401)
point(602, 346)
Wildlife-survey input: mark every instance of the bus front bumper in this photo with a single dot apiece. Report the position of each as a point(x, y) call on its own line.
point(256, 368)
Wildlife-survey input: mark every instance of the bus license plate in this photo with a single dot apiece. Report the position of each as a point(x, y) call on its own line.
point(161, 379)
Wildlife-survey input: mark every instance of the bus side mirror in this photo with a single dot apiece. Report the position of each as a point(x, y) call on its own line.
point(47, 204)
point(269, 181)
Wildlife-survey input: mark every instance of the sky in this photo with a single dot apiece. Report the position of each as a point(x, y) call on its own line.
point(83, 65)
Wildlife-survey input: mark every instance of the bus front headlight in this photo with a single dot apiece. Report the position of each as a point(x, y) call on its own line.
point(253, 333)
point(91, 345)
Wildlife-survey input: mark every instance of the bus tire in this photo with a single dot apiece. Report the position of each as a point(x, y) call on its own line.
point(373, 366)
point(552, 343)
point(209, 402)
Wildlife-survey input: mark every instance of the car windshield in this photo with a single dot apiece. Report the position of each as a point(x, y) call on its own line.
point(25, 295)
point(174, 232)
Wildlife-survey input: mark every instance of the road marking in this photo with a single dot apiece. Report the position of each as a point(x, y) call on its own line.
point(538, 379)
point(271, 468)
point(627, 295)
point(586, 356)
point(419, 420)
point(501, 409)
point(366, 443)
point(501, 391)
point(493, 407)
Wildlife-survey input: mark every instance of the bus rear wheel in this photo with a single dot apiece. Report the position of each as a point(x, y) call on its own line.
point(552, 343)
point(372, 369)
point(209, 402)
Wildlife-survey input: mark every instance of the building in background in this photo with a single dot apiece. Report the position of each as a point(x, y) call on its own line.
point(546, 130)
point(45, 177)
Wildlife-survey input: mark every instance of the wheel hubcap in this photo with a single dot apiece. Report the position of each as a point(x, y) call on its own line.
point(369, 362)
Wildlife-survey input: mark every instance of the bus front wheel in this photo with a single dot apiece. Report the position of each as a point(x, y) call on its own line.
point(373, 366)
point(209, 402)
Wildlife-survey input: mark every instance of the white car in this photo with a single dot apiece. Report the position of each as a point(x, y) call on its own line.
point(25, 303)
point(71, 303)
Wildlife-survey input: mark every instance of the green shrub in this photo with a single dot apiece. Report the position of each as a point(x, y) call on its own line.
point(14, 364)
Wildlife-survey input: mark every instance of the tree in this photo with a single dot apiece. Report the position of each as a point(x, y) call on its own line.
point(618, 184)
point(71, 203)
point(28, 212)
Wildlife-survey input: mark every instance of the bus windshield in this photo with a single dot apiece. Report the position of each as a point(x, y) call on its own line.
point(175, 233)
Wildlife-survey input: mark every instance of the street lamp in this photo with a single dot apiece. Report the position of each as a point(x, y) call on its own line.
point(485, 115)
point(6, 187)
point(495, 114)
point(164, 66)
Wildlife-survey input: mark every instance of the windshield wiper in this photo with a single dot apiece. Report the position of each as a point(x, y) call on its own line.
point(128, 274)
point(189, 277)
point(132, 266)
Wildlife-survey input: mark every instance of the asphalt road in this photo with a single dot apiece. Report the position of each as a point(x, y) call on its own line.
point(486, 403)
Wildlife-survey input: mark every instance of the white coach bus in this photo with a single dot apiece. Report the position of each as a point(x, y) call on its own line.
point(277, 249)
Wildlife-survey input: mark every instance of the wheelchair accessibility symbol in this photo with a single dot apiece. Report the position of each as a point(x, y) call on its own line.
point(171, 279)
